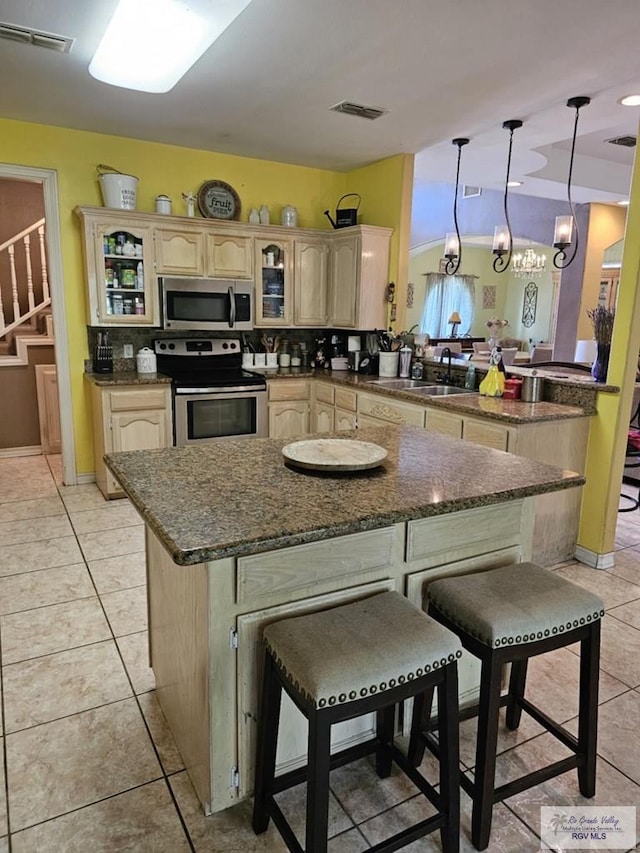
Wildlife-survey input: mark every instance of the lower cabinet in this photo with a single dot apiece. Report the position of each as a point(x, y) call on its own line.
point(289, 407)
point(128, 418)
point(374, 410)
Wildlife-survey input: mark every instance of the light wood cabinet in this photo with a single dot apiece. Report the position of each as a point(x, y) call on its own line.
point(128, 418)
point(359, 278)
point(179, 252)
point(274, 290)
point(375, 409)
point(323, 417)
point(343, 420)
point(446, 423)
point(310, 278)
point(229, 255)
point(289, 407)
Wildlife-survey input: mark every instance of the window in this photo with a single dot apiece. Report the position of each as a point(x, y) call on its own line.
point(445, 294)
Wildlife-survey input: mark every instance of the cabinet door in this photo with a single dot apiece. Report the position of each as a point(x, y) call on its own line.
point(273, 283)
point(486, 434)
point(345, 273)
point(311, 263)
point(322, 417)
point(179, 252)
point(146, 430)
point(122, 285)
point(288, 419)
point(229, 256)
point(343, 420)
point(444, 422)
point(389, 411)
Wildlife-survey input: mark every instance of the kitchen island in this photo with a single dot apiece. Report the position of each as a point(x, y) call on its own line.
point(236, 539)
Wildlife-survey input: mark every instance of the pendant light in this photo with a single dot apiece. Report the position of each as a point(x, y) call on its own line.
point(502, 237)
point(452, 245)
point(563, 235)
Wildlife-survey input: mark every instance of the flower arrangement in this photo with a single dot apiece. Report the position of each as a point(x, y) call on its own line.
point(495, 326)
point(602, 320)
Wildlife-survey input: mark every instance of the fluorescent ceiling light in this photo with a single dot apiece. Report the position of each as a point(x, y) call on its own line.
point(514, 183)
point(630, 101)
point(624, 203)
point(150, 44)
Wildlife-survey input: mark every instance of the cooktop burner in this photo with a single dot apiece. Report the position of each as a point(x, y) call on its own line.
point(213, 362)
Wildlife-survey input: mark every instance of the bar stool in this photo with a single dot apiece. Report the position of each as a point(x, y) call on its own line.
point(508, 615)
point(338, 664)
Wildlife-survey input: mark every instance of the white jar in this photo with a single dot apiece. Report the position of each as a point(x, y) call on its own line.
point(146, 361)
point(254, 217)
point(264, 215)
point(163, 204)
point(289, 216)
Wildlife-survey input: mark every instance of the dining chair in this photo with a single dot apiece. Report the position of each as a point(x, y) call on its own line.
point(542, 352)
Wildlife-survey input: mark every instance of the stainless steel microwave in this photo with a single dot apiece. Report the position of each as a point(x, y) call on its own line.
point(206, 304)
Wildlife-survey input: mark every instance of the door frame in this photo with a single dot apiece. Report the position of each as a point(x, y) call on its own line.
point(48, 178)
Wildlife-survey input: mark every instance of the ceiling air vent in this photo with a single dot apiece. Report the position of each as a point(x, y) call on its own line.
point(61, 44)
point(360, 110)
point(625, 141)
point(470, 192)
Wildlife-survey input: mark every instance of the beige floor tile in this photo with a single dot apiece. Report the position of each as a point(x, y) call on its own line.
point(225, 832)
point(629, 613)
point(612, 787)
point(627, 565)
point(620, 651)
point(82, 497)
point(112, 543)
point(117, 573)
point(134, 649)
point(126, 610)
point(49, 527)
point(39, 508)
point(31, 556)
point(143, 820)
point(52, 629)
point(167, 750)
point(111, 517)
point(47, 586)
point(627, 533)
point(63, 765)
point(612, 590)
point(294, 806)
point(4, 845)
point(28, 489)
point(3, 797)
point(54, 461)
point(47, 688)
point(348, 842)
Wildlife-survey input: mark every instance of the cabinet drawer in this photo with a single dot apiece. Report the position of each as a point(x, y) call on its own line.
point(289, 389)
point(124, 401)
point(486, 529)
point(324, 393)
point(317, 566)
point(444, 423)
point(346, 399)
point(386, 410)
point(486, 434)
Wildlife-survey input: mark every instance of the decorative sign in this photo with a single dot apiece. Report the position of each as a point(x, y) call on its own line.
point(529, 305)
point(489, 296)
point(410, 294)
point(217, 200)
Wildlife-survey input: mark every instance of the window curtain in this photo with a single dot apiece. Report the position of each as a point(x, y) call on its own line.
point(445, 294)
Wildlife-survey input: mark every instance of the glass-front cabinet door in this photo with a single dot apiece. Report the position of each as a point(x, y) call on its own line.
point(123, 290)
point(274, 265)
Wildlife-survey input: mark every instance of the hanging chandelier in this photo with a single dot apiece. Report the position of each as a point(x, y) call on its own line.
point(503, 238)
point(528, 264)
point(566, 229)
point(452, 244)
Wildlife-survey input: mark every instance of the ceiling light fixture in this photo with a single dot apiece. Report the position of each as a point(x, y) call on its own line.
point(630, 101)
point(623, 203)
point(502, 237)
point(566, 225)
point(150, 44)
point(452, 244)
point(528, 264)
point(514, 184)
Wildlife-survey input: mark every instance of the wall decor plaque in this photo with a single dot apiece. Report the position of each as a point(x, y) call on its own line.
point(218, 200)
point(529, 305)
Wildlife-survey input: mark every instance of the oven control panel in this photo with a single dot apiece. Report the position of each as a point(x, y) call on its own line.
point(197, 346)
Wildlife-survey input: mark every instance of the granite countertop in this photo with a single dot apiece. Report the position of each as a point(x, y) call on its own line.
point(219, 500)
point(127, 377)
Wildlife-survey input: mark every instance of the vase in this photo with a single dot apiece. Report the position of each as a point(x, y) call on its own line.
point(601, 364)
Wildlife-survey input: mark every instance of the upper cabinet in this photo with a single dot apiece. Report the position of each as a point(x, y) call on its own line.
point(230, 255)
point(119, 268)
point(179, 252)
point(273, 303)
point(310, 280)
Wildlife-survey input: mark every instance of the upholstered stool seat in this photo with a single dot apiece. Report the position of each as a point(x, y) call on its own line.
point(341, 663)
point(508, 615)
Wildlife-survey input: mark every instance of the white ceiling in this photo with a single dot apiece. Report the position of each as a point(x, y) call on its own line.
point(441, 69)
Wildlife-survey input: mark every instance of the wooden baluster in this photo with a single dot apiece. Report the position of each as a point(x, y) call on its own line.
point(14, 282)
point(27, 257)
point(43, 263)
point(2, 322)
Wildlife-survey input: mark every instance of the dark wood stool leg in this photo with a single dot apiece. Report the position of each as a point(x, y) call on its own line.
point(490, 682)
point(319, 751)
point(588, 714)
point(385, 721)
point(517, 682)
point(422, 708)
point(267, 745)
point(449, 758)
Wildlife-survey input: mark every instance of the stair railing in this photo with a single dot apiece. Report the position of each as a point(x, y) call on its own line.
point(9, 246)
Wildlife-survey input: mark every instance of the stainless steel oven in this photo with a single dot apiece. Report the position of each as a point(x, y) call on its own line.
point(213, 397)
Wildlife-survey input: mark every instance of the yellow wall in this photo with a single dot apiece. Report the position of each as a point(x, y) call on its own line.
point(606, 226)
point(172, 170)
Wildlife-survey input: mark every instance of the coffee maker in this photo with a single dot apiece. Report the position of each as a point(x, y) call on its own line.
point(354, 354)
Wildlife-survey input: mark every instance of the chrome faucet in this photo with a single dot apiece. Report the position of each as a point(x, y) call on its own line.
point(446, 379)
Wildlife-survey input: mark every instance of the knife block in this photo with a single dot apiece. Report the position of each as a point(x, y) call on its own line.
point(103, 359)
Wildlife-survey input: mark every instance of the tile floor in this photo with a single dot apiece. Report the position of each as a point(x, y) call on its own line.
point(90, 764)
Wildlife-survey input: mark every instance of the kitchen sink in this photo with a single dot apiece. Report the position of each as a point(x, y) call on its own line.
point(441, 390)
point(401, 384)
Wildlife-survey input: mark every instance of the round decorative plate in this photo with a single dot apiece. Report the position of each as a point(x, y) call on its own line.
point(334, 454)
point(218, 200)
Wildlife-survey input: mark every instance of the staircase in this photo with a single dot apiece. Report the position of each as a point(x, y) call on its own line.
point(25, 314)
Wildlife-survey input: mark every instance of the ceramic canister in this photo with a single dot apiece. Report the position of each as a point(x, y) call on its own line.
point(146, 361)
point(163, 204)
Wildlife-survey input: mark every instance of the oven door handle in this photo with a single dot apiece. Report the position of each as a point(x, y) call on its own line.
point(232, 307)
